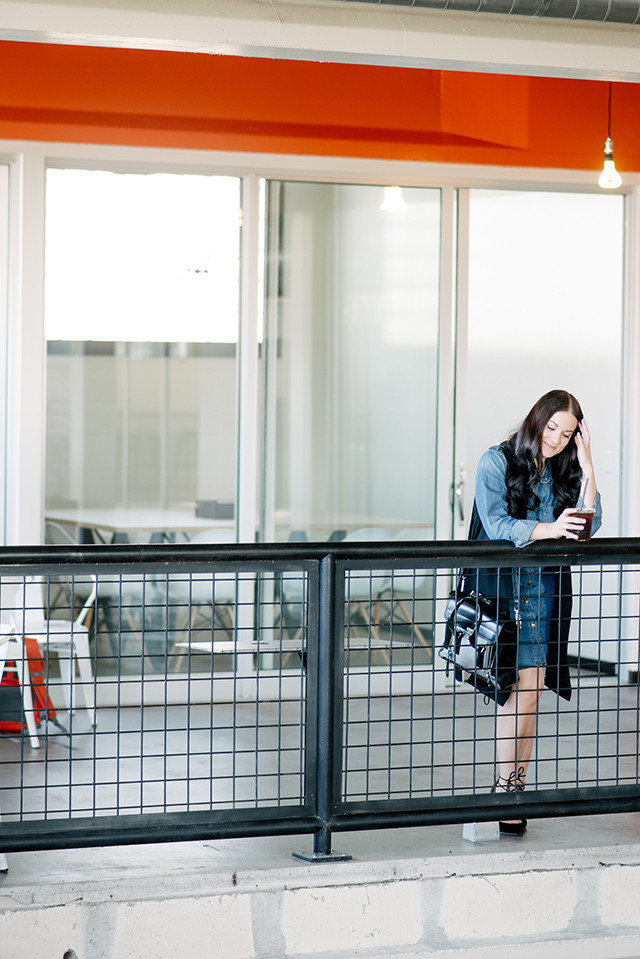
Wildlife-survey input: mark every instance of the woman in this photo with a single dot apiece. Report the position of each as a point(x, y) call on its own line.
point(526, 490)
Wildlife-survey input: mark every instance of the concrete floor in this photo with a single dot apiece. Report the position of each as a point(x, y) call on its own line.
point(82, 899)
point(46, 775)
point(171, 758)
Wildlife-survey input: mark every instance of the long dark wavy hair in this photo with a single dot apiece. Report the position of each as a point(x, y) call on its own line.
point(524, 461)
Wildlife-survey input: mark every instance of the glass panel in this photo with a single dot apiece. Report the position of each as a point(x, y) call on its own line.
point(351, 361)
point(142, 326)
point(545, 312)
point(4, 293)
point(142, 304)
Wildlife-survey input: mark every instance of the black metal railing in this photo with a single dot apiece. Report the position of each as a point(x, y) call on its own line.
point(235, 690)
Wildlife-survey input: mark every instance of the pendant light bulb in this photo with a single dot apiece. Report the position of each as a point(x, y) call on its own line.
point(393, 200)
point(609, 179)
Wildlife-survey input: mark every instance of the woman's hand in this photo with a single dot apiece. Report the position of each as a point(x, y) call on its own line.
point(583, 443)
point(566, 526)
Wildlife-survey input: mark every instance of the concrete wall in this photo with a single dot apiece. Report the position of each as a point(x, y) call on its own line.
point(571, 903)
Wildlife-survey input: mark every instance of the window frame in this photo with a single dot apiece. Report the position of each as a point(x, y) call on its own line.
point(26, 352)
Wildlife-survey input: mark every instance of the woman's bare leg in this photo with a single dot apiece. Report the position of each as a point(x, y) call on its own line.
point(516, 725)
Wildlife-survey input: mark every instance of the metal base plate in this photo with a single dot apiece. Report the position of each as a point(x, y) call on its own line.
point(480, 831)
point(321, 856)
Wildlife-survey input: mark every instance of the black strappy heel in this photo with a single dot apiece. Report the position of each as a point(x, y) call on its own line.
point(514, 782)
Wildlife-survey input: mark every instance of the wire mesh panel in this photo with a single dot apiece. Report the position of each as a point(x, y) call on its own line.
point(301, 688)
point(413, 732)
point(170, 692)
point(388, 645)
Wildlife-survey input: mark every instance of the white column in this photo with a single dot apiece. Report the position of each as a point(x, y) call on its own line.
point(446, 359)
point(462, 480)
point(630, 494)
point(26, 395)
point(630, 519)
point(247, 481)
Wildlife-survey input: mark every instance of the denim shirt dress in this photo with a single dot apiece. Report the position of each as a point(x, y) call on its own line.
point(533, 588)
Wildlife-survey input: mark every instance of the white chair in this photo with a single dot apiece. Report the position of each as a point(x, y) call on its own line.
point(409, 585)
point(21, 602)
point(12, 651)
point(364, 589)
point(127, 608)
point(291, 615)
point(120, 600)
point(57, 535)
point(205, 597)
point(194, 590)
point(74, 590)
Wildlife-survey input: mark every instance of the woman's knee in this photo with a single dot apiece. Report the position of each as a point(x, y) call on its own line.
point(529, 687)
point(526, 701)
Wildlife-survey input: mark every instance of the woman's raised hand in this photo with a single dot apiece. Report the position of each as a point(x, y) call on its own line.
point(583, 444)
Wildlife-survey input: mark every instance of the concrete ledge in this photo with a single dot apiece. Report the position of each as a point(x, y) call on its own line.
point(209, 900)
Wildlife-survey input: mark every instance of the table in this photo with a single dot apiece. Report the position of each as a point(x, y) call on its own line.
point(281, 645)
point(134, 519)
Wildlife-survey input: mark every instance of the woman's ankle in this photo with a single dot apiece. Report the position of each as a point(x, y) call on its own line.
point(513, 782)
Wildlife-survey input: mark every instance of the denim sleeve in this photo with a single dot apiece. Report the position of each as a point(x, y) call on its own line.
point(597, 516)
point(491, 501)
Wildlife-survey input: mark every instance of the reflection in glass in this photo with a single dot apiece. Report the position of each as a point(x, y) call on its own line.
point(351, 361)
point(142, 288)
point(545, 312)
point(142, 304)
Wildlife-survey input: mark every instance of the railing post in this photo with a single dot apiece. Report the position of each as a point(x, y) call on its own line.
point(328, 740)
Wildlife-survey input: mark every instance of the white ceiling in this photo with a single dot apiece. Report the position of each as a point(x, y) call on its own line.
point(335, 31)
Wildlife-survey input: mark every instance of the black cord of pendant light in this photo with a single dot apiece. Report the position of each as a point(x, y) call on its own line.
point(609, 179)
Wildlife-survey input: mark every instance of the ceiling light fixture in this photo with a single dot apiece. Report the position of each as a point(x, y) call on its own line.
point(609, 179)
point(393, 200)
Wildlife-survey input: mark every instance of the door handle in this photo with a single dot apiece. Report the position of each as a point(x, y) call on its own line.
point(459, 495)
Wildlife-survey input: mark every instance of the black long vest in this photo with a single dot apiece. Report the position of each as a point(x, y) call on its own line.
point(489, 583)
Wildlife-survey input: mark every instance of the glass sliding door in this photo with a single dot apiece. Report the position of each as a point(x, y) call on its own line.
point(542, 309)
point(351, 358)
point(545, 286)
point(142, 288)
point(4, 304)
point(142, 319)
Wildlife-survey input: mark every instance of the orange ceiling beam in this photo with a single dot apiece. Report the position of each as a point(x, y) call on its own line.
point(158, 98)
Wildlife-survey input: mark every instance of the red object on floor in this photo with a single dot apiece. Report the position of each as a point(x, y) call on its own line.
point(11, 710)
